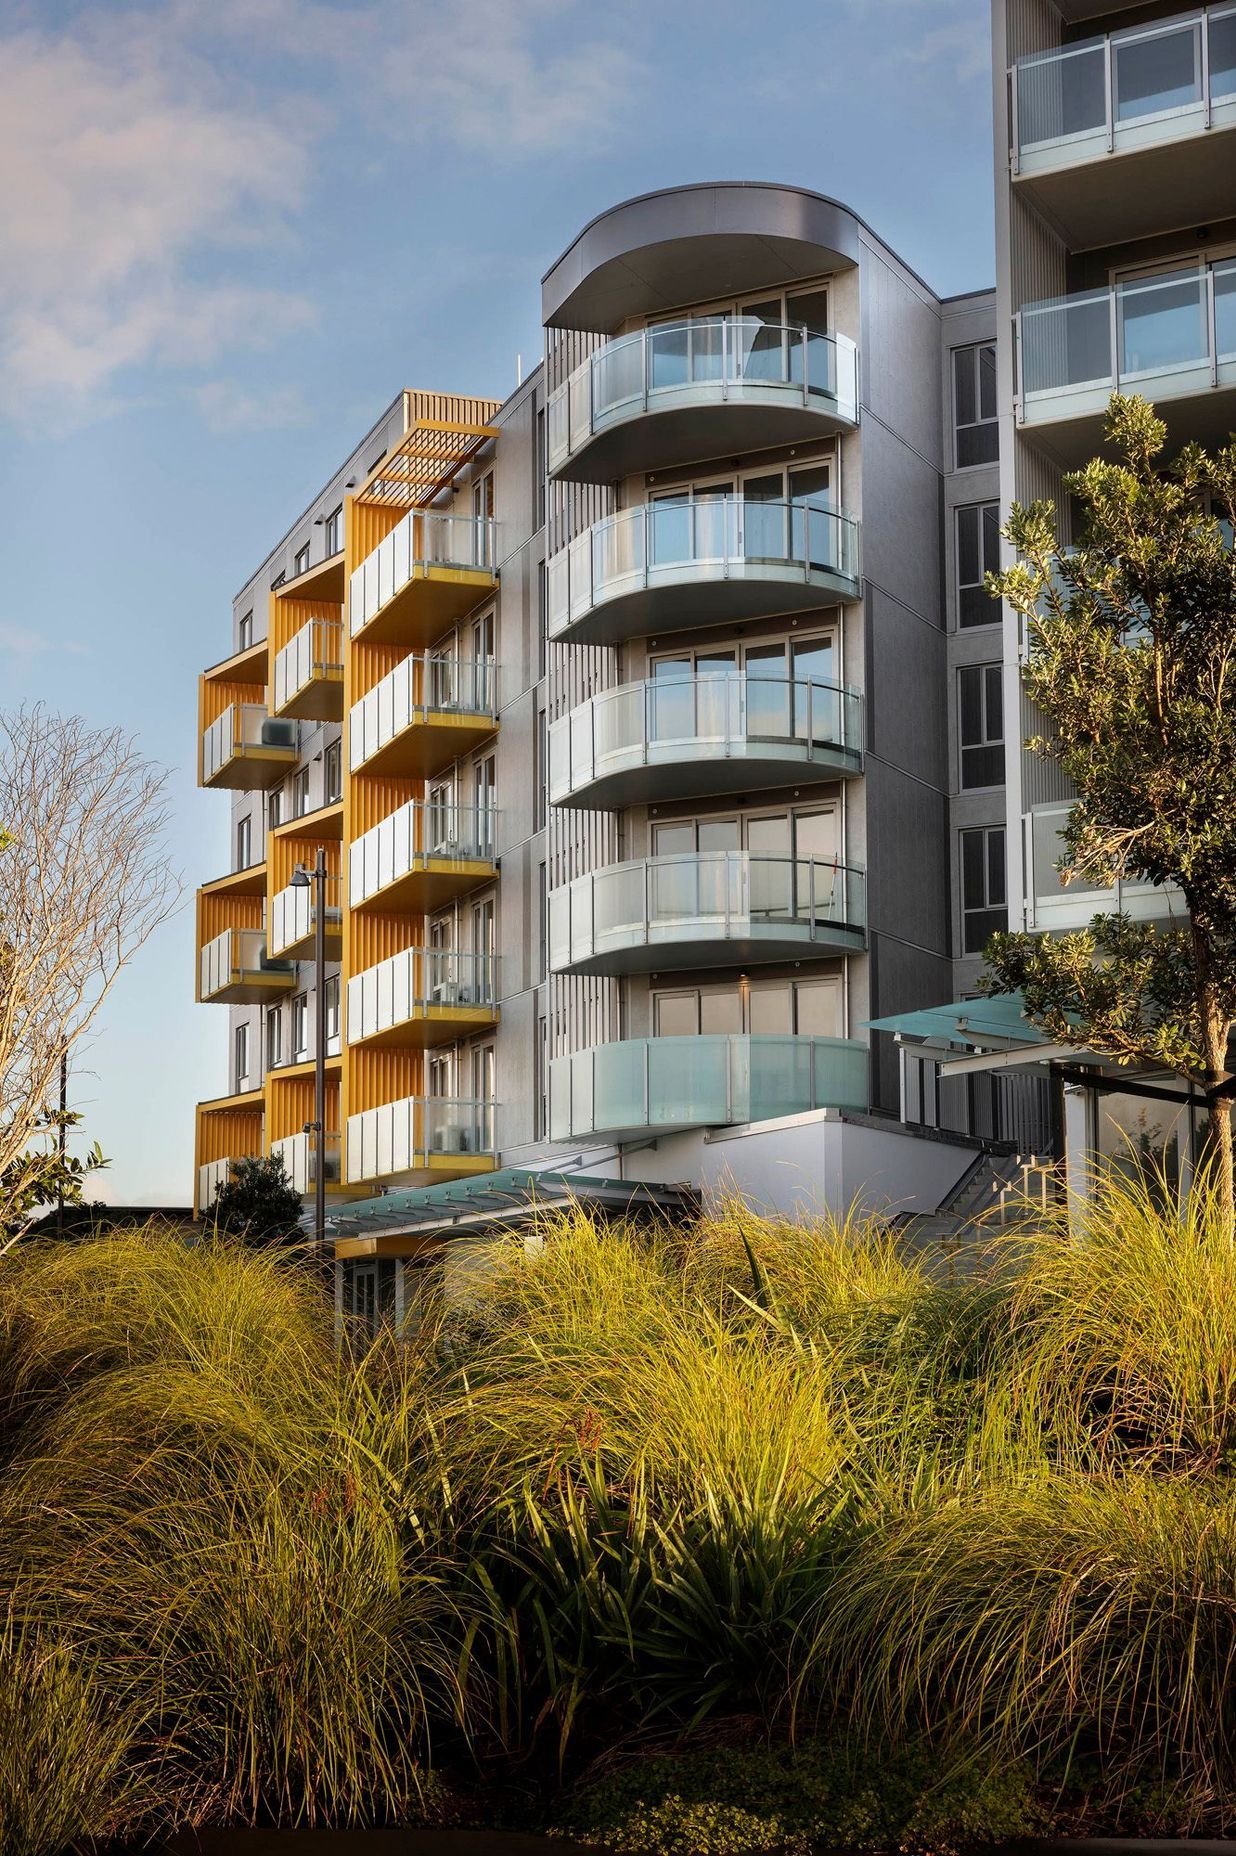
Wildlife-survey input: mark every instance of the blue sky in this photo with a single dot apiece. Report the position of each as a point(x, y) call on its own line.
point(232, 232)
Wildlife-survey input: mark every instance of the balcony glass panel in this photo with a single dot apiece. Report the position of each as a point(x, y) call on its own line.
point(1170, 69)
point(315, 651)
point(424, 538)
point(663, 543)
point(232, 956)
point(293, 916)
point(645, 1084)
point(667, 719)
point(416, 688)
point(401, 988)
point(242, 726)
point(408, 1135)
point(710, 895)
point(669, 360)
point(298, 1153)
point(419, 831)
point(1161, 326)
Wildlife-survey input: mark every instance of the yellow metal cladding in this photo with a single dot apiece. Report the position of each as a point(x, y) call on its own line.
point(443, 434)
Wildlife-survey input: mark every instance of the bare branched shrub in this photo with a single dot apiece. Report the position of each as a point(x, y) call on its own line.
point(84, 882)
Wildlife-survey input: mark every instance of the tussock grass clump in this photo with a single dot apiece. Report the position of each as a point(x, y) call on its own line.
point(619, 1488)
point(211, 1502)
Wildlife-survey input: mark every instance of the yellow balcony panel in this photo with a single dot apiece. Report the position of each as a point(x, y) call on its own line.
point(307, 681)
point(251, 881)
point(235, 969)
point(292, 927)
point(423, 856)
point(428, 572)
point(246, 749)
point(325, 580)
point(420, 1140)
point(247, 666)
point(422, 997)
point(425, 713)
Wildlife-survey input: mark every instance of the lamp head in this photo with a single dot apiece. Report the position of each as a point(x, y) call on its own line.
point(300, 877)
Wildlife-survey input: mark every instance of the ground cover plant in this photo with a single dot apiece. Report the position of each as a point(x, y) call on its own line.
point(742, 1537)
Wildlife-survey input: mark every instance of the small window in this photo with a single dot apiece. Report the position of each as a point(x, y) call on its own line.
point(984, 896)
point(244, 632)
point(332, 765)
point(274, 808)
point(540, 771)
point(300, 1027)
point(542, 1079)
point(244, 843)
point(542, 617)
point(300, 792)
point(300, 564)
point(542, 970)
point(981, 725)
point(277, 581)
point(539, 467)
point(978, 553)
point(332, 1015)
point(240, 1056)
point(274, 1037)
point(332, 532)
point(976, 431)
point(483, 496)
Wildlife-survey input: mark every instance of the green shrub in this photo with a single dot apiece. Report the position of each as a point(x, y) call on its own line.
point(731, 1800)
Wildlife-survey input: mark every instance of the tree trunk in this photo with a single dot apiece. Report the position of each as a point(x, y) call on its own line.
point(1219, 1112)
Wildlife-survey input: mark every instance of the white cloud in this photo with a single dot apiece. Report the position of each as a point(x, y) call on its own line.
point(124, 174)
point(228, 407)
point(24, 643)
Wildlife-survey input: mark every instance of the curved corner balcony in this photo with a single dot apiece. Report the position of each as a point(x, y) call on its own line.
point(669, 566)
point(713, 386)
point(431, 569)
point(422, 856)
point(687, 737)
point(705, 909)
point(650, 1086)
point(1170, 337)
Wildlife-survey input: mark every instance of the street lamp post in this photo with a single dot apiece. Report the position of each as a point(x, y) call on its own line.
point(304, 879)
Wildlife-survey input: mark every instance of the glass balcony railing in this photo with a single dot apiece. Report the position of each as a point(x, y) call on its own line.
point(416, 689)
point(1151, 83)
point(421, 832)
point(767, 729)
point(425, 539)
point(314, 656)
point(299, 1154)
point(702, 361)
point(293, 918)
point(419, 1134)
point(659, 545)
point(237, 961)
point(1161, 336)
point(1065, 908)
point(644, 1085)
point(714, 907)
point(418, 983)
point(247, 731)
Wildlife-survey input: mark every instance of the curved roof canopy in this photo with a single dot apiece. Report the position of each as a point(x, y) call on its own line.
point(693, 245)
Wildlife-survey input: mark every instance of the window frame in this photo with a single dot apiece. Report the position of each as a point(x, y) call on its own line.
point(984, 673)
point(991, 906)
point(990, 607)
point(975, 350)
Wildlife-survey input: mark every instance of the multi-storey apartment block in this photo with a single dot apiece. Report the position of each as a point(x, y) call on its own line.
point(1116, 271)
point(652, 724)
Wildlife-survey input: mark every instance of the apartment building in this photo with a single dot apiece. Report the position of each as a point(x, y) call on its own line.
point(651, 724)
point(1115, 131)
